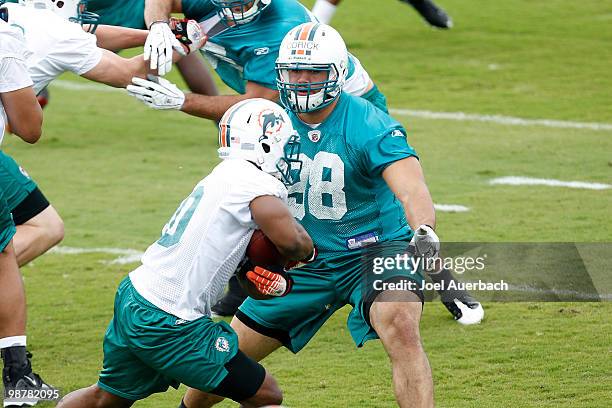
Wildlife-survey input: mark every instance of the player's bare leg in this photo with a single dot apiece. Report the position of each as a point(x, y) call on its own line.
point(397, 325)
point(196, 75)
point(37, 235)
point(17, 372)
point(253, 344)
point(12, 296)
point(93, 397)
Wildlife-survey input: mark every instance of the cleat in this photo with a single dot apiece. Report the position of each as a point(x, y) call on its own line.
point(22, 391)
point(25, 389)
point(465, 313)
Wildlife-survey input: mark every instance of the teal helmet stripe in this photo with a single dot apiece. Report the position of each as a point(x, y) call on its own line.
point(313, 31)
point(228, 127)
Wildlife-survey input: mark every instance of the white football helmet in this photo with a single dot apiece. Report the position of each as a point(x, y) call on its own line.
point(313, 47)
point(260, 131)
point(240, 11)
point(71, 10)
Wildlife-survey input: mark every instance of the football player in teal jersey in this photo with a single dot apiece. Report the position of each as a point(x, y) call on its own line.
point(243, 42)
point(361, 189)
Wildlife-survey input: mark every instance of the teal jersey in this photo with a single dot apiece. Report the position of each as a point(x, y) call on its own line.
point(248, 52)
point(341, 198)
point(124, 13)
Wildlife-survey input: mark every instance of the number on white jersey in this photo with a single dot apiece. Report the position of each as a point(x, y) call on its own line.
point(174, 229)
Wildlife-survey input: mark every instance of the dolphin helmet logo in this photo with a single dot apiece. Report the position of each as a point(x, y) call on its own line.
point(270, 123)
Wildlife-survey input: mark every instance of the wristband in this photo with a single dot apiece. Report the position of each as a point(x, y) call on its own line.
point(157, 21)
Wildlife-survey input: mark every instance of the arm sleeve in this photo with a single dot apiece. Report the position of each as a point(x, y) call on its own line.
point(260, 68)
point(385, 149)
point(77, 51)
point(13, 75)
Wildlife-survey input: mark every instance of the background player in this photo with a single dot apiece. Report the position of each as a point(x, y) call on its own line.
point(18, 107)
point(161, 333)
point(361, 183)
point(130, 13)
point(242, 46)
point(324, 10)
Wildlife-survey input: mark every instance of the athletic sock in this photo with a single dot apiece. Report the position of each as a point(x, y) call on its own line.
point(324, 11)
point(12, 341)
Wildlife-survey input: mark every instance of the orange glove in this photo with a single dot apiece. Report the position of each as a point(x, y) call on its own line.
point(270, 283)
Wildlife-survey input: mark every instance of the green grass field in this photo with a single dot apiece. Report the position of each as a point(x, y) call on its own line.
point(116, 171)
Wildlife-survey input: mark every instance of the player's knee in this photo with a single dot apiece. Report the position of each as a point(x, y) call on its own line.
point(53, 226)
point(399, 325)
point(55, 231)
point(405, 330)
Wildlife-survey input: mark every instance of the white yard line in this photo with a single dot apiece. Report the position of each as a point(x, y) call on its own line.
point(451, 208)
point(502, 120)
point(83, 86)
point(560, 292)
point(423, 114)
point(64, 250)
point(529, 181)
point(127, 255)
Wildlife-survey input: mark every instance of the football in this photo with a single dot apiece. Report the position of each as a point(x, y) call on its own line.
point(262, 252)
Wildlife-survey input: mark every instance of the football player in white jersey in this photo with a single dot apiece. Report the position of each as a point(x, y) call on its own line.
point(161, 334)
point(19, 108)
point(57, 43)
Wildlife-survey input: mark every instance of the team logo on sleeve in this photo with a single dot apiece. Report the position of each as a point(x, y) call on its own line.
point(261, 51)
point(222, 345)
point(314, 135)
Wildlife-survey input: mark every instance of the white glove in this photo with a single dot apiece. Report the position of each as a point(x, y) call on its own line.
point(157, 92)
point(426, 242)
point(159, 45)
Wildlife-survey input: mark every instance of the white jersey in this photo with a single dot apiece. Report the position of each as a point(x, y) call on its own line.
point(358, 81)
point(13, 70)
point(186, 270)
point(56, 45)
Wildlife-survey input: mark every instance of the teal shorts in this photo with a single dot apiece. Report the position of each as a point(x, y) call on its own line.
point(7, 226)
point(124, 13)
point(377, 98)
point(146, 350)
point(319, 291)
point(14, 180)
